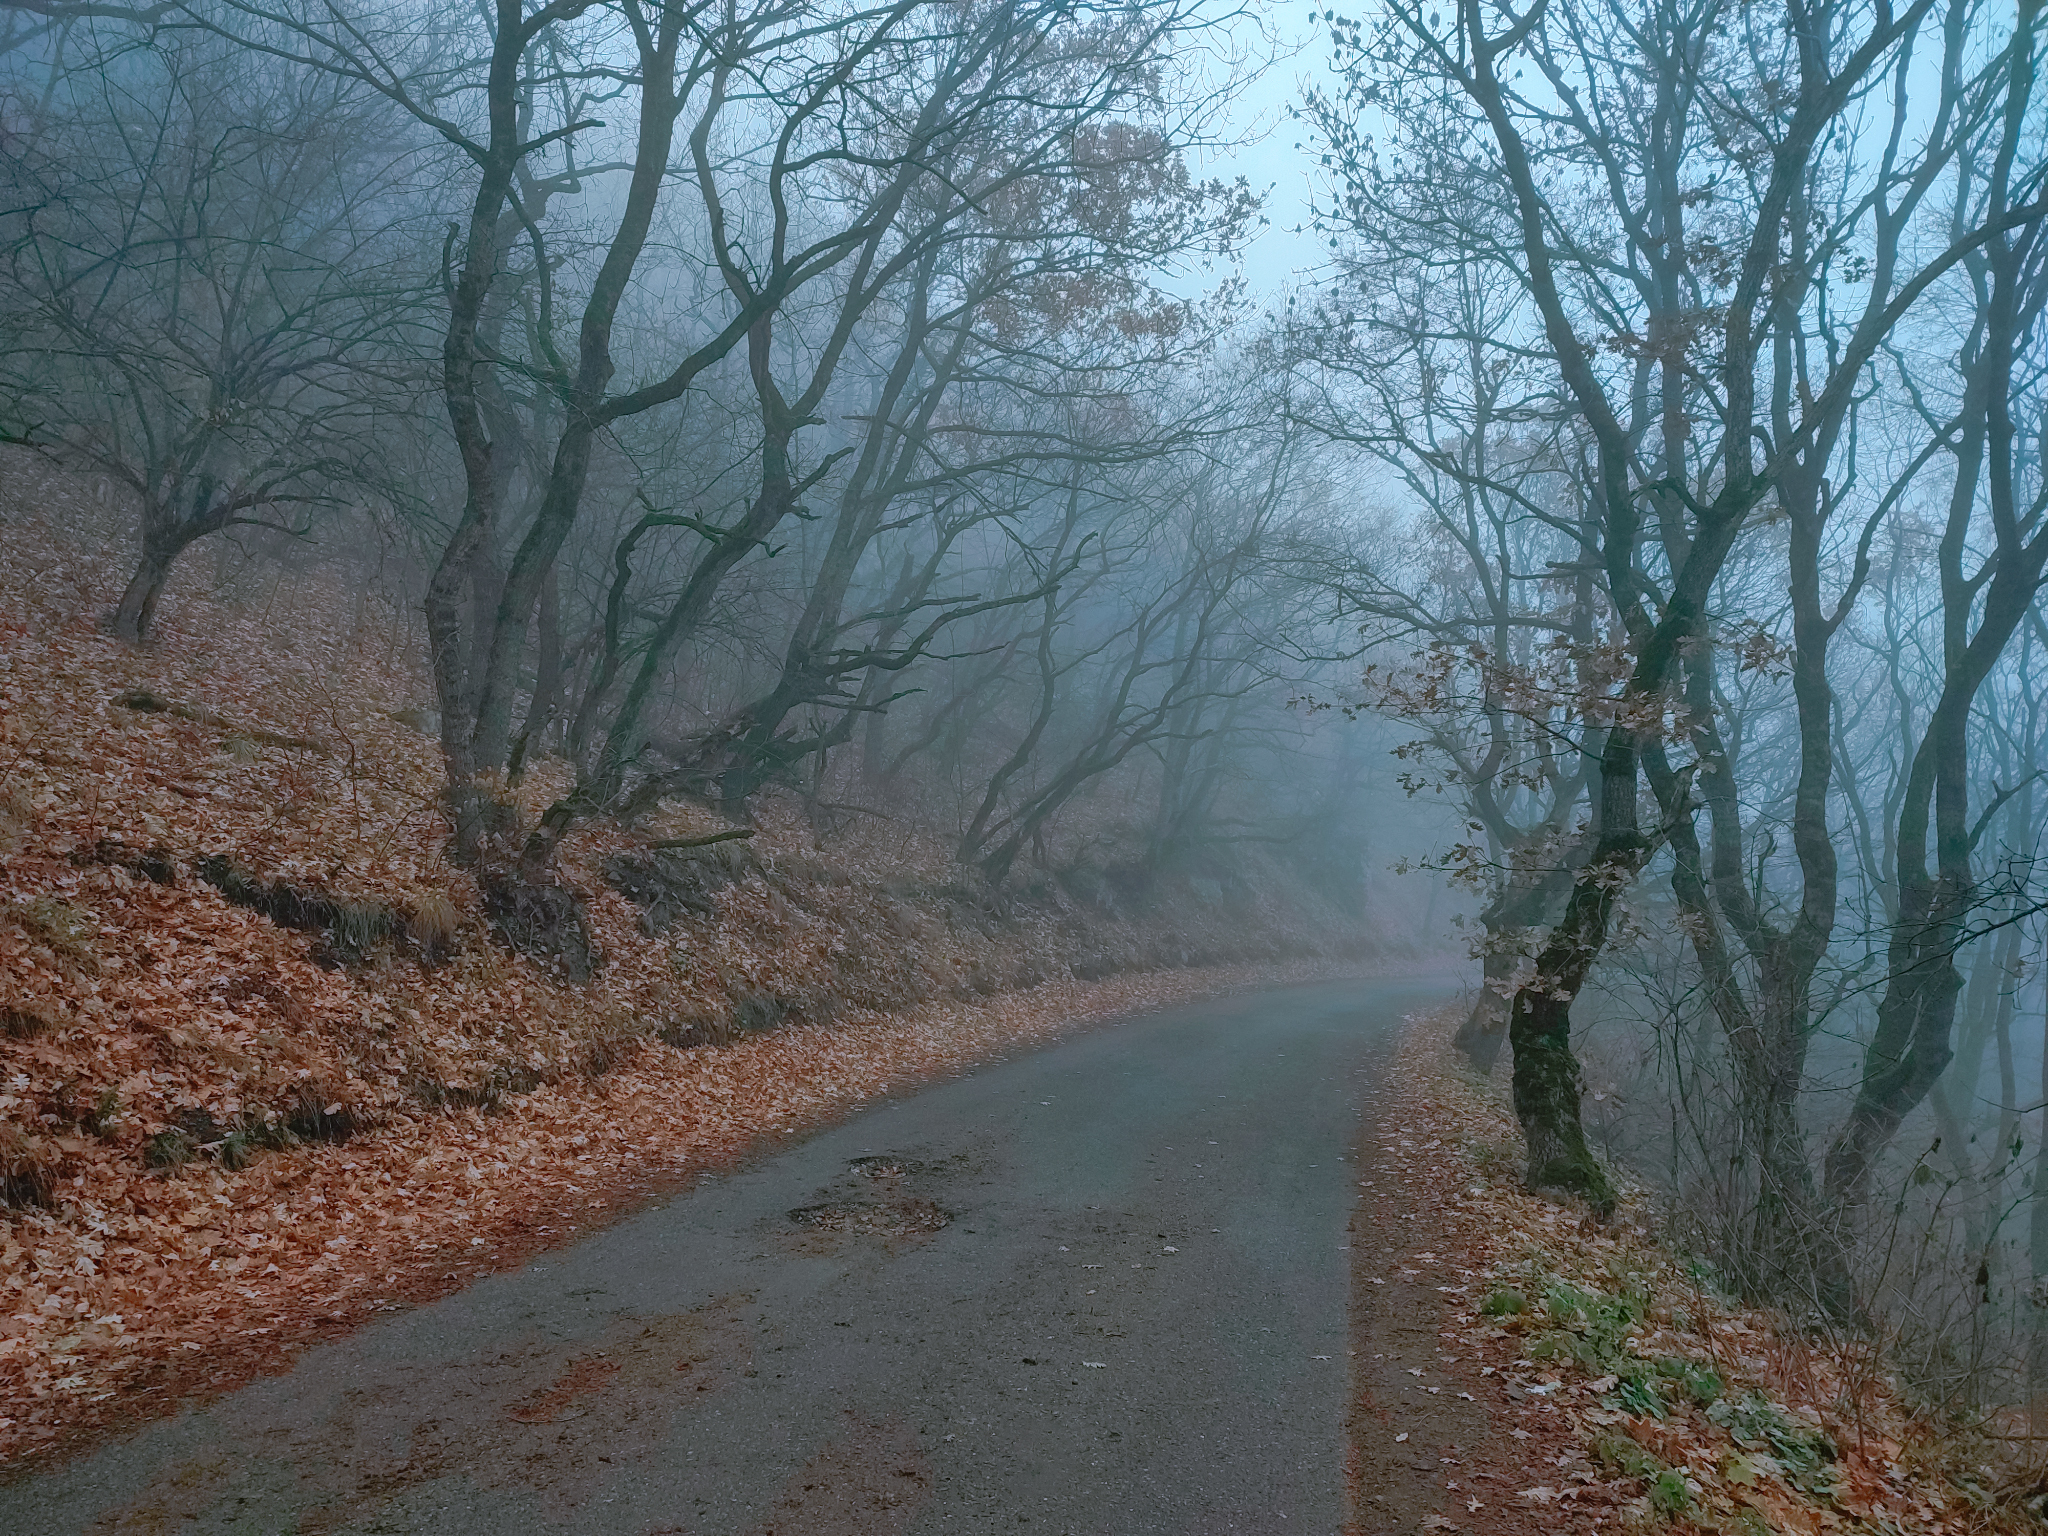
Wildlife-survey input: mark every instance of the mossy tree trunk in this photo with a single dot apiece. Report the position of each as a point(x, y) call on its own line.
point(1547, 1080)
point(1548, 1088)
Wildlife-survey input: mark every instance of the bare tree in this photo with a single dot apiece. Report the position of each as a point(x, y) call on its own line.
point(1995, 436)
point(209, 287)
point(1704, 140)
point(1035, 156)
point(1495, 595)
point(1122, 668)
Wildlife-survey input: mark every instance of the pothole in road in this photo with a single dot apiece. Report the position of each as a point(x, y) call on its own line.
point(885, 1167)
point(874, 1218)
point(894, 1165)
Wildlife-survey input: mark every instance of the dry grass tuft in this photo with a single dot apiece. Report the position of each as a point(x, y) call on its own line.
point(434, 922)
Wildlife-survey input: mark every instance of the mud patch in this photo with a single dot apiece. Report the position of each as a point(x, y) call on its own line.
point(580, 1380)
point(561, 1424)
point(181, 1495)
point(869, 1481)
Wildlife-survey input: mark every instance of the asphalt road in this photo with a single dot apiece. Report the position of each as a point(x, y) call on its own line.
point(1097, 1290)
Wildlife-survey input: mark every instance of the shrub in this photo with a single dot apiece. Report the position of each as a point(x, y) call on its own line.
point(1668, 1494)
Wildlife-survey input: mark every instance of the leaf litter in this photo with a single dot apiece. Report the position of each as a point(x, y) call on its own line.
point(222, 1136)
point(1633, 1395)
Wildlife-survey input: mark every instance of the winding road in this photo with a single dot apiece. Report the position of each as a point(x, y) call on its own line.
point(1096, 1290)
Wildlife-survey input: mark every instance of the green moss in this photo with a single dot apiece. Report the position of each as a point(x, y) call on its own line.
point(1547, 1091)
point(1620, 1454)
point(1506, 1302)
point(1668, 1494)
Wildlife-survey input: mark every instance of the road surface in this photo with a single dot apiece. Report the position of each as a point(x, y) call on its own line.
point(1096, 1290)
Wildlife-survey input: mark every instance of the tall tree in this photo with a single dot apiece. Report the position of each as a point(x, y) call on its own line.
point(1490, 593)
point(1995, 438)
point(1658, 182)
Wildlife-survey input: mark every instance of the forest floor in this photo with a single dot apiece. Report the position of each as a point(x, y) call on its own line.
point(266, 1062)
point(1523, 1369)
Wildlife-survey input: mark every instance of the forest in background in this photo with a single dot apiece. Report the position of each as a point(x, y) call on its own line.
point(1707, 341)
point(804, 404)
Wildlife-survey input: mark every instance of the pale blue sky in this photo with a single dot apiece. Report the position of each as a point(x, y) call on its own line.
point(1261, 114)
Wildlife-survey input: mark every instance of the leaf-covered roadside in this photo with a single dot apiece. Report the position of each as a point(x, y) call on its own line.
point(221, 1134)
point(162, 1287)
point(1656, 1402)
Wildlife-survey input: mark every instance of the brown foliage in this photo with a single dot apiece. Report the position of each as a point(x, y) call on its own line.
point(229, 1120)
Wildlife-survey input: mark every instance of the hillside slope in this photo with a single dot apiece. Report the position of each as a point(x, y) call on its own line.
point(1524, 1368)
point(264, 1059)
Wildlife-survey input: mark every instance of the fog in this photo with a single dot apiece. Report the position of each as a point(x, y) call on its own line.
point(1572, 478)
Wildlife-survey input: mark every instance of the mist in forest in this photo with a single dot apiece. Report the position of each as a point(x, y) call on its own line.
point(1616, 549)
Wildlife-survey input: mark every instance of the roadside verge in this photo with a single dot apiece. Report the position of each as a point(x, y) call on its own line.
point(1520, 1368)
point(331, 1233)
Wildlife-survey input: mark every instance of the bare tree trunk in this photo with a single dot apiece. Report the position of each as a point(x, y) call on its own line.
point(2008, 1078)
point(2037, 1216)
point(1527, 901)
point(1912, 1045)
point(1547, 1084)
point(137, 609)
point(166, 534)
point(1485, 1029)
point(544, 709)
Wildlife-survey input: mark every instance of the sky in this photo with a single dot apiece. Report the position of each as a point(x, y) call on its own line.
point(1266, 154)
